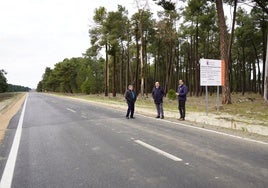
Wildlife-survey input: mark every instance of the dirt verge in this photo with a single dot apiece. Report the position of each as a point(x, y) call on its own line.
point(10, 108)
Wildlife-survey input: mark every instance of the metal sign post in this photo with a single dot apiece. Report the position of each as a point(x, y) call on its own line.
point(218, 98)
point(206, 100)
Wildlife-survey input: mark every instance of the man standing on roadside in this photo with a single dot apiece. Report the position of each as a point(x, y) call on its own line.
point(158, 94)
point(130, 97)
point(182, 97)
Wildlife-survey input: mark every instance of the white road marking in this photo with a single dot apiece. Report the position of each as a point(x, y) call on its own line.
point(208, 130)
point(7, 176)
point(85, 117)
point(176, 123)
point(167, 155)
point(71, 110)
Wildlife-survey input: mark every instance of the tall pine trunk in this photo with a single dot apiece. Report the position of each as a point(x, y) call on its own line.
point(106, 70)
point(243, 71)
point(226, 95)
point(128, 62)
point(121, 69)
point(197, 74)
point(265, 91)
point(137, 60)
point(231, 43)
point(114, 75)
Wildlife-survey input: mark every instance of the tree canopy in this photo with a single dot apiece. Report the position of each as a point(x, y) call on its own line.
point(3, 82)
point(139, 49)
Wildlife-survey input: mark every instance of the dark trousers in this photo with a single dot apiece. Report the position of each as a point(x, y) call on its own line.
point(130, 110)
point(159, 108)
point(182, 108)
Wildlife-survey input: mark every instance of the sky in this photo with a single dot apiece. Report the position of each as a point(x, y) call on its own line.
point(35, 34)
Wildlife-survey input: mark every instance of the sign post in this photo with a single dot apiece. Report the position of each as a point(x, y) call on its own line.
point(212, 73)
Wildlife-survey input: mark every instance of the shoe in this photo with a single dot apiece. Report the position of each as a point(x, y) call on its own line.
point(162, 117)
point(157, 117)
point(127, 117)
point(132, 117)
point(181, 119)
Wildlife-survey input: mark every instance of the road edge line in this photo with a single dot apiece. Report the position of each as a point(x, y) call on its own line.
point(8, 172)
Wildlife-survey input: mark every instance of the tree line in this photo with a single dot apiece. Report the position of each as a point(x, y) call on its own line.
point(139, 49)
point(5, 87)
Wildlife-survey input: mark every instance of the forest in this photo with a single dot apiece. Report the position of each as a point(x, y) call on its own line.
point(140, 49)
point(5, 87)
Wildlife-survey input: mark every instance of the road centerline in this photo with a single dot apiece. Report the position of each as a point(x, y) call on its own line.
point(159, 151)
point(71, 110)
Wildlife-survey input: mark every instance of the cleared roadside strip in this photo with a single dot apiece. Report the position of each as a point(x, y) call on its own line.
point(185, 125)
point(161, 152)
point(173, 122)
point(207, 130)
point(7, 176)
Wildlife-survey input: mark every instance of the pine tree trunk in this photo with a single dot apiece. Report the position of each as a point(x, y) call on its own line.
point(265, 91)
point(257, 81)
point(264, 52)
point(142, 54)
point(114, 80)
point(121, 69)
point(231, 43)
point(226, 95)
point(106, 70)
point(197, 74)
point(142, 68)
point(243, 71)
point(137, 61)
point(127, 66)
point(146, 68)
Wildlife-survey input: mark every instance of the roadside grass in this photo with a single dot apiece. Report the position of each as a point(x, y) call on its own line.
point(248, 108)
point(7, 99)
point(5, 96)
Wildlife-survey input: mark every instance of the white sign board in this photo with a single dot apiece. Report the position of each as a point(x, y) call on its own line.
point(212, 72)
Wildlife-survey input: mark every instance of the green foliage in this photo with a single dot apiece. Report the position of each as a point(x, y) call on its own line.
point(3, 82)
point(17, 88)
point(171, 94)
point(167, 5)
point(170, 50)
point(39, 86)
point(74, 75)
point(86, 87)
point(5, 87)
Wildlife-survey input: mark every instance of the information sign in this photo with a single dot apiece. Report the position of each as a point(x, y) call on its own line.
point(212, 72)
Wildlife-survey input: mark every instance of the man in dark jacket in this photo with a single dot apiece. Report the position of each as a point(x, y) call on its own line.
point(158, 94)
point(130, 97)
point(182, 97)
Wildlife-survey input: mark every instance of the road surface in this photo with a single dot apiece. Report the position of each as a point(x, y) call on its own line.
point(63, 143)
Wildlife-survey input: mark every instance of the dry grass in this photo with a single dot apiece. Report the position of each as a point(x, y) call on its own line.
point(10, 103)
point(248, 107)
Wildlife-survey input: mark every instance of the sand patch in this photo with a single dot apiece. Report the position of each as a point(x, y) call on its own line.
point(8, 110)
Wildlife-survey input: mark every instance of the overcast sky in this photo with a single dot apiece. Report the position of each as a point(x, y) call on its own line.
point(35, 34)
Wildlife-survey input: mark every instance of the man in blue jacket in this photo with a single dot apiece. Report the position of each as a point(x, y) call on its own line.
point(158, 94)
point(130, 97)
point(182, 97)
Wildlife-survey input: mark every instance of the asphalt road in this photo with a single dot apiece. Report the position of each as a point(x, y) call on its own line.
point(66, 143)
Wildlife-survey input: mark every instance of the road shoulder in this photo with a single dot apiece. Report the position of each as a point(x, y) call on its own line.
point(209, 122)
point(7, 114)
